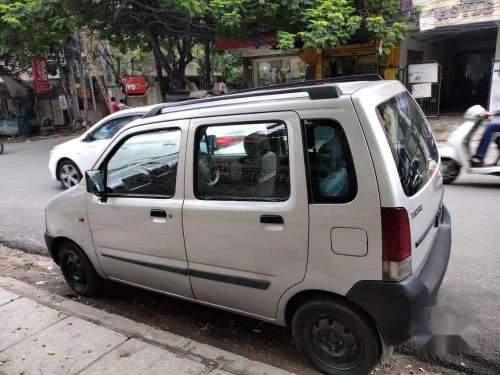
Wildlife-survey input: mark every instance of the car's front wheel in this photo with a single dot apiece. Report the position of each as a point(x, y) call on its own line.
point(335, 337)
point(78, 270)
point(68, 173)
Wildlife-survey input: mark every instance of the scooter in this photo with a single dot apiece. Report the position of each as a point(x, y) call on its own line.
point(456, 155)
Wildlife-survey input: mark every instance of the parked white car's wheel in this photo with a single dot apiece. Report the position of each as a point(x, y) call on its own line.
point(336, 338)
point(68, 174)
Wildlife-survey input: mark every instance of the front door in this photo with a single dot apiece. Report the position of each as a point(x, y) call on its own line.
point(246, 210)
point(137, 232)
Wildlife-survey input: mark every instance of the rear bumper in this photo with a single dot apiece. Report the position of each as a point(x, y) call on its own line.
point(394, 305)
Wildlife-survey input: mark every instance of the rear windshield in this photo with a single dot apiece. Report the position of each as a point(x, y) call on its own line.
point(410, 138)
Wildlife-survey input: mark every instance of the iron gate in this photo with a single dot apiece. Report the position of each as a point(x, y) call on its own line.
point(429, 104)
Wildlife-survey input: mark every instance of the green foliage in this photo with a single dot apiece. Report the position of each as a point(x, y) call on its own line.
point(312, 23)
point(28, 28)
point(229, 63)
point(385, 22)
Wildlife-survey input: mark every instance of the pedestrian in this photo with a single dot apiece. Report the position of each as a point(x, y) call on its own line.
point(113, 107)
point(493, 127)
point(122, 105)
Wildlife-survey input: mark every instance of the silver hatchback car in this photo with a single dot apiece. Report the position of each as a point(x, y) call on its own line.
point(315, 206)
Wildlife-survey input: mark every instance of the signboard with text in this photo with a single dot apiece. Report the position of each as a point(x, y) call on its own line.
point(135, 85)
point(40, 74)
point(422, 73)
point(456, 12)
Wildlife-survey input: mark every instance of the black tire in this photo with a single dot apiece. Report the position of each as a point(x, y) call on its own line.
point(1, 148)
point(68, 173)
point(78, 270)
point(336, 337)
point(450, 169)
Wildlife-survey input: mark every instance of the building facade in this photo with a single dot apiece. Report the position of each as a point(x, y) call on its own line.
point(462, 37)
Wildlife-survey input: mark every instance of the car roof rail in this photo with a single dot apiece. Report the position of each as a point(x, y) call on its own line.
point(315, 82)
point(315, 92)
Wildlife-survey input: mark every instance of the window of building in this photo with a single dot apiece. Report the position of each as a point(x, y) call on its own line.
point(332, 175)
point(145, 165)
point(243, 162)
point(277, 70)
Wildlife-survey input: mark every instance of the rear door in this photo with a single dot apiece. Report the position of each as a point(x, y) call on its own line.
point(416, 159)
point(245, 213)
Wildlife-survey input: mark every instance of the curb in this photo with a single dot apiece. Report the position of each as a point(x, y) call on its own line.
point(214, 358)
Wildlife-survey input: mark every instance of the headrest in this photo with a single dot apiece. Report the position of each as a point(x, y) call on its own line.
point(256, 144)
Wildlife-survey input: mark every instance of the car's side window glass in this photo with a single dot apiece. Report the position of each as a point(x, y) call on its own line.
point(242, 162)
point(145, 165)
point(332, 175)
point(109, 129)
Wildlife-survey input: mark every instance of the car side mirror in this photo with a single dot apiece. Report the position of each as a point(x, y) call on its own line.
point(95, 184)
point(88, 138)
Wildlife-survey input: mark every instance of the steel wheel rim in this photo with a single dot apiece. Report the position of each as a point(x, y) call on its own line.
point(76, 271)
point(333, 343)
point(69, 175)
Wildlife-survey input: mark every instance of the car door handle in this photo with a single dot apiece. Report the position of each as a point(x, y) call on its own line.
point(158, 213)
point(271, 219)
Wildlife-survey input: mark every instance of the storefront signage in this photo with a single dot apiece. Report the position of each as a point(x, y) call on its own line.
point(63, 102)
point(422, 73)
point(465, 9)
point(442, 13)
point(135, 85)
point(421, 90)
point(40, 74)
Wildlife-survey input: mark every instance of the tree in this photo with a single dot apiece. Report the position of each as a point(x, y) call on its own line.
point(169, 29)
point(29, 28)
point(312, 23)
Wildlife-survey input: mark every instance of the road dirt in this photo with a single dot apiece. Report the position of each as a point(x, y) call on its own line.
point(244, 336)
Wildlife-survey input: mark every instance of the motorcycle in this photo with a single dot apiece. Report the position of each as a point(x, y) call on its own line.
point(456, 155)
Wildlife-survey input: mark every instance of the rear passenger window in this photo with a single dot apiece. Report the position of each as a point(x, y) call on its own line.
point(242, 162)
point(331, 169)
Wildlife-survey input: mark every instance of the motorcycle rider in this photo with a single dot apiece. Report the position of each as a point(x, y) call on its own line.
point(492, 128)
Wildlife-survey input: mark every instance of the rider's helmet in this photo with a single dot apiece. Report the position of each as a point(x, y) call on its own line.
point(474, 112)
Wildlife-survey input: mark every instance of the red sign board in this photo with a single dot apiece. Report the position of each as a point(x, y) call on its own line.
point(40, 74)
point(135, 85)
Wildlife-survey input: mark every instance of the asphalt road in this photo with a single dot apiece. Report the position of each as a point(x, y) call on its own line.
point(471, 287)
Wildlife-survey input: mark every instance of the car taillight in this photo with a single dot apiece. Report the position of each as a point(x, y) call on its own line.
point(396, 243)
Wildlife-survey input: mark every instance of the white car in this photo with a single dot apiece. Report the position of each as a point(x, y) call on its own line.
point(69, 160)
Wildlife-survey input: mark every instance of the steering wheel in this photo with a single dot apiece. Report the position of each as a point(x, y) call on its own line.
point(208, 169)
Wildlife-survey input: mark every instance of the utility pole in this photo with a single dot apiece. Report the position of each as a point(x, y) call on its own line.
point(82, 75)
point(207, 65)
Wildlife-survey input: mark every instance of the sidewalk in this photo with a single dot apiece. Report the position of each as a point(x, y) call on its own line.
point(43, 333)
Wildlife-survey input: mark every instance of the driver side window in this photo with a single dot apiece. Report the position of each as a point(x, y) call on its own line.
point(145, 165)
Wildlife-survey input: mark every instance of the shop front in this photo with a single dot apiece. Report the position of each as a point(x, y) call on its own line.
point(462, 37)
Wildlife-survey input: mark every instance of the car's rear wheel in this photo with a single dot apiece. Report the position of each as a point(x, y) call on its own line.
point(68, 173)
point(335, 337)
point(78, 270)
point(451, 170)
point(1, 148)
